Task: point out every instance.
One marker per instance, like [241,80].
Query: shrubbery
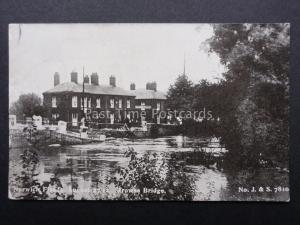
[154,171]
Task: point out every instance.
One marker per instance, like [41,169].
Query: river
[83,170]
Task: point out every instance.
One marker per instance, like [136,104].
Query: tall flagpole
[83,91]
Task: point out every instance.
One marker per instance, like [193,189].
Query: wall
[65,109]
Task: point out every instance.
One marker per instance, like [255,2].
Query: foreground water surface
[81,168]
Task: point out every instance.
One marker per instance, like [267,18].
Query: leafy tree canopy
[255,87]
[27,105]
[180,94]
[260,51]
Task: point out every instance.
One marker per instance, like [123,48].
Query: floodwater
[84,170]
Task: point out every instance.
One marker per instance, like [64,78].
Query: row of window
[143,104]
[74,117]
[87,102]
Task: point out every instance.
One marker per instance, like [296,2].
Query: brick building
[71,101]
[149,100]
[98,103]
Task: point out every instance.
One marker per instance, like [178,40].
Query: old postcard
[188,112]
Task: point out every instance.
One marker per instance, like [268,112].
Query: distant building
[150,100]
[71,101]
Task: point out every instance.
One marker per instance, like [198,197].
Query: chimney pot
[86,79]
[112,81]
[154,86]
[148,86]
[132,86]
[94,79]
[74,77]
[56,79]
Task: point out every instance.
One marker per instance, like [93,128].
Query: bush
[153,171]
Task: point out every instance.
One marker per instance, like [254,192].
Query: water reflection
[194,170]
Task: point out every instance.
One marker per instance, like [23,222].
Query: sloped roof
[149,94]
[89,88]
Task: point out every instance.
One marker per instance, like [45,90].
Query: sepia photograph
[149,111]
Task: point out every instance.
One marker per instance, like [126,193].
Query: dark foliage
[251,99]
[27,105]
[151,171]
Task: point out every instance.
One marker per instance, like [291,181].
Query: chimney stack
[56,79]
[151,86]
[74,77]
[154,86]
[132,86]
[148,86]
[94,79]
[86,79]
[112,81]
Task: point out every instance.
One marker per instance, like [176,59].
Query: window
[128,103]
[54,103]
[158,106]
[143,106]
[112,103]
[89,103]
[120,103]
[84,103]
[112,118]
[74,101]
[98,103]
[55,116]
[74,119]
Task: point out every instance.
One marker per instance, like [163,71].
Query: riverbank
[53,135]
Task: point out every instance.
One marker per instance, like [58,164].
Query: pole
[83,91]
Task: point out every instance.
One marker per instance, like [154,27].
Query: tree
[208,95]
[256,86]
[257,51]
[27,105]
[180,94]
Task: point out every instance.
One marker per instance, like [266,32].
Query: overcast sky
[132,52]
